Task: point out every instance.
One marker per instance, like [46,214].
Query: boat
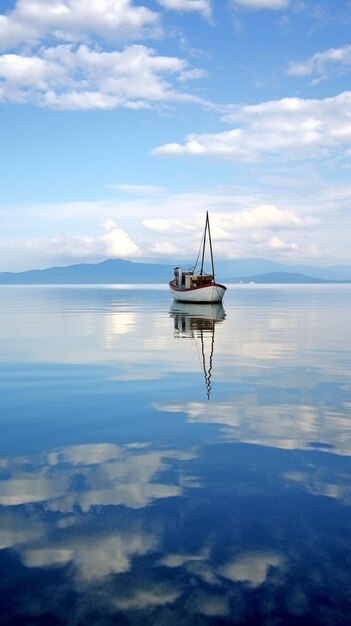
[198,322]
[198,286]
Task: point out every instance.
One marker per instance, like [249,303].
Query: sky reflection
[199,532]
[136,489]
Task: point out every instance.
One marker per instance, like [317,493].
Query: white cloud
[324,64]
[74,20]
[163,225]
[124,477]
[165,247]
[117,242]
[277,243]
[291,128]
[285,249]
[262,216]
[113,243]
[159,595]
[244,418]
[203,6]
[93,561]
[128,475]
[180,559]
[241,225]
[251,567]
[65,77]
[138,190]
[23,76]
[262,4]
[84,454]
[60,67]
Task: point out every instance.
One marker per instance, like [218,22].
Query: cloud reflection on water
[290,425]
[154,504]
[198,546]
[251,567]
[87,476]
[72,484]
[52,515]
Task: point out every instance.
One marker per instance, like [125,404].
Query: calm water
[175,465]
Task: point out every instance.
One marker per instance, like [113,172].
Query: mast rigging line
[203,248]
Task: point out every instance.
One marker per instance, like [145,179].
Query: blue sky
[123,121]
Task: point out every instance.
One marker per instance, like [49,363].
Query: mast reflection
[198,321]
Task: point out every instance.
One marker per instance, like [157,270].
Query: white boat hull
[207,293]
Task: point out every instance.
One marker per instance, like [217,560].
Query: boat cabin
[186,279]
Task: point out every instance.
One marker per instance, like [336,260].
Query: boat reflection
[198,321]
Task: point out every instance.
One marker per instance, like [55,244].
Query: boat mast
[207,230]
[207,372]
[210,241]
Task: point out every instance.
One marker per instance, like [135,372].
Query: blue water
[168,464]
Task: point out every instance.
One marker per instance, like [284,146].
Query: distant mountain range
[287,277]
[114,271]
[257,267]
[107,272]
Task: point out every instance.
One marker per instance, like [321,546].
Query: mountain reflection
[198,321]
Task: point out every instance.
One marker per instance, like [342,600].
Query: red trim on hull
[197,288]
